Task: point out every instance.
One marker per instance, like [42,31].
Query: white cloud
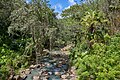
[57,7]
[71,2]
[59,16]
[27,1]
[67,7]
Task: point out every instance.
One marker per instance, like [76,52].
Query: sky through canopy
[60,5]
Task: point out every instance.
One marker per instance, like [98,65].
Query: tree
[33,19]
[112,10]
[5,11]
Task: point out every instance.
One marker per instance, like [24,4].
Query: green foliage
[33,26]
[100,63]
[93,25]
[10,60]
[28,27]
[5,10]
[96,54]
[33,19]
[94,18]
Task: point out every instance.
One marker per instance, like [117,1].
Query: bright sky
[60,5]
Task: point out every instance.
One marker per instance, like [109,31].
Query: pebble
[60,62]
[47,64]
[27,71]
[44,73]
[44,78]
[36,78]
[72,75]
[63,76]
[63,62]
[38,66]
[55,64]
[57,73]
[50,73]
[43,65]
[68,74]
[17,77]
[65,79]
[11,77]
[21,71]
[40,72]
[55,68]
[23,75]
[32,66]
[59,65]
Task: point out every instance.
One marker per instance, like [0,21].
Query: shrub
[102,62]
[10,60]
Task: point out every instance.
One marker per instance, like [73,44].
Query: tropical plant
[10,62]
[102,62]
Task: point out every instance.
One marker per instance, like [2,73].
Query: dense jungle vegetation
[93,26]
